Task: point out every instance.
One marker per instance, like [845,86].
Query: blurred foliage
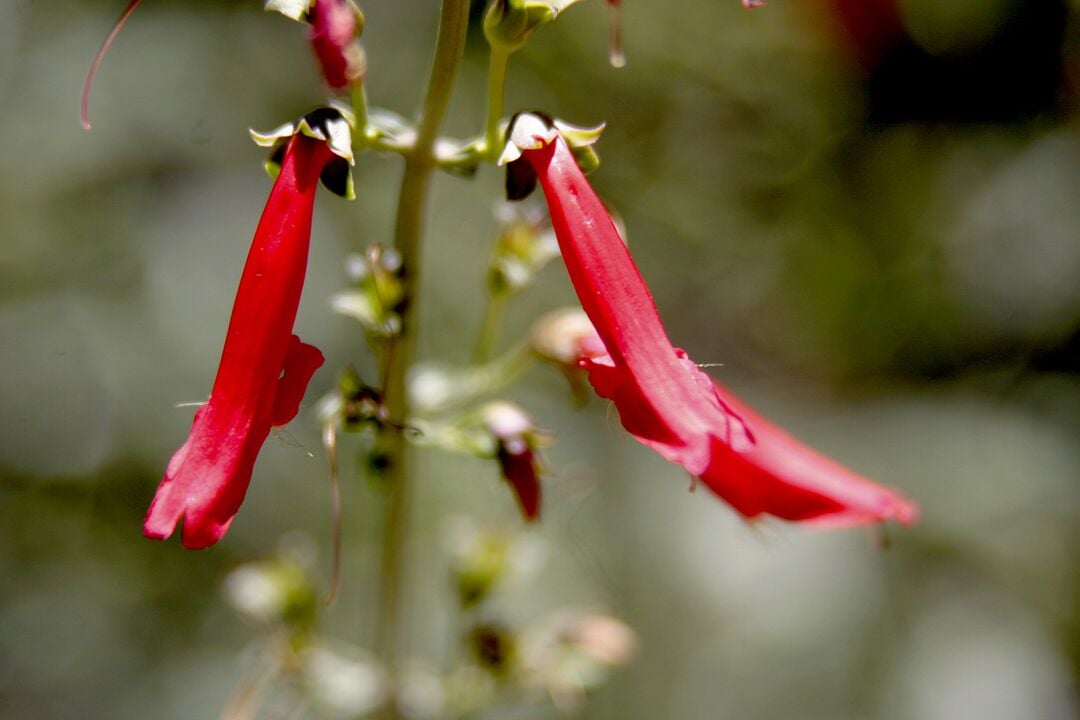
[864,210]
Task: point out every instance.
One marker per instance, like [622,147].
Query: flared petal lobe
[664,400]
[264,368]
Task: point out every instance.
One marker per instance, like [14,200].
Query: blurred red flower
[333,32]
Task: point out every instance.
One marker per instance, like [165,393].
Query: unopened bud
[565,336]
[342,681]
[602,638]
[478,562]
[360,403]
[483,559]
[272,591]
[494,647]
[375,300]
[508,23]
[574,652]
[526,244]
[516,440]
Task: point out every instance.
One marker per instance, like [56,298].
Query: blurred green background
[868,212]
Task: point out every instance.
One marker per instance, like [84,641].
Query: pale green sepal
[387,127]
[458,157]
[272,167]
[337,133]
[586,158]
[362,308]
[529,132]
[332,125]
[270,139]
[296,10]
[537,14]
[292,9]
[580,140]
[579,136]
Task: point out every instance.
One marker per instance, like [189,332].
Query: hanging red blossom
[335,26]
[663,398]
[264,368]
[516,439]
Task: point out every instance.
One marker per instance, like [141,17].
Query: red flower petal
[519,469]
[301,362]
[207,478]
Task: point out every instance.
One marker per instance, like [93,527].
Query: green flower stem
[361,136]
[500,61]
[416,181]
[494,311]
[472,383]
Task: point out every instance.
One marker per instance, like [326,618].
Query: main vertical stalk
[493,142]
[408,231]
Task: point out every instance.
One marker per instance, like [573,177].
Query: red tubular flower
[333,32]
[264,368]
[663,399]
[516,439]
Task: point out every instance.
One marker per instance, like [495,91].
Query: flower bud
[573,652]
[565,338]
[602,638]
[377,294]
[508,23]
[525,245]
[360,403]
[342,681]
[478,562]
[276,591]
[516,440]
[482,560]
[334,29]
[494,647]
